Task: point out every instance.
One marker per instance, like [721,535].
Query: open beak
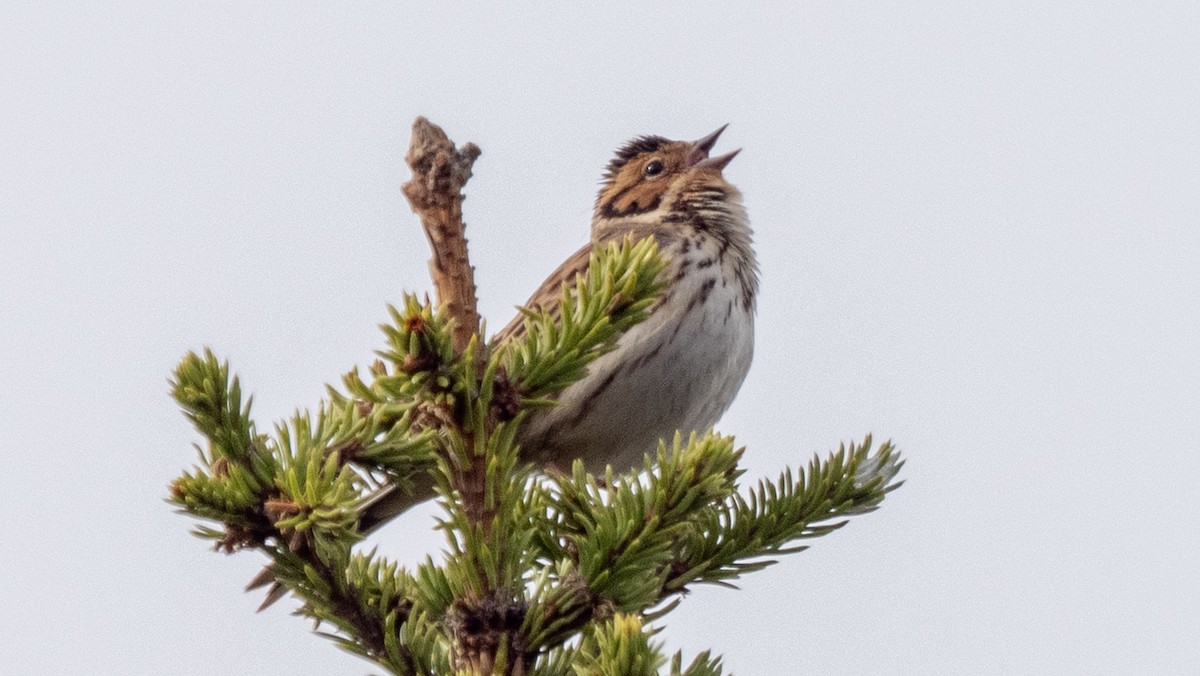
[698,157]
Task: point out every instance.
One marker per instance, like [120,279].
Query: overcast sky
[978,226]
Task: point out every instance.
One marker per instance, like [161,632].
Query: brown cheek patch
[634,199]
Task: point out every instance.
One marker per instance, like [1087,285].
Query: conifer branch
[291,495]
[729,539]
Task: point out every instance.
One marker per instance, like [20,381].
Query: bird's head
[652,177]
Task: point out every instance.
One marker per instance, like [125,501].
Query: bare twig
[440,170]
[435,194]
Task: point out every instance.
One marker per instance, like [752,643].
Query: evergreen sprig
[619,646]
[617,291]
[212,399]
[623,536]
[729,539]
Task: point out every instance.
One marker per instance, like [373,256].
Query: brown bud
[416,364]
[365,407]
[278,509]
[415,324]
[506,400]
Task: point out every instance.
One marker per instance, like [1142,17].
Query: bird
[681,367]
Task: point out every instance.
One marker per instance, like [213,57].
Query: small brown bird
[680,368]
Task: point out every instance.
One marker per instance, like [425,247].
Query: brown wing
[546,297]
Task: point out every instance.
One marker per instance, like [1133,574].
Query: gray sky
[978,227]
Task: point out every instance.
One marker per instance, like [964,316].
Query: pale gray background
[978,229]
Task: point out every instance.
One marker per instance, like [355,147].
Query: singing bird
[681,368]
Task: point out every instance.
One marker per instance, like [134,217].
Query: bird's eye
[653,168]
